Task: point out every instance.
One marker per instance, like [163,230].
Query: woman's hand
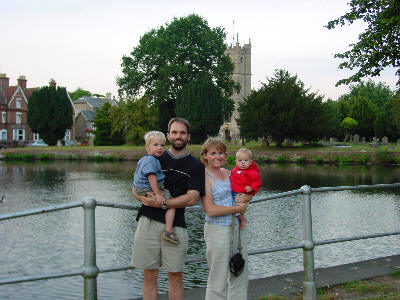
[242,198]
[242,206]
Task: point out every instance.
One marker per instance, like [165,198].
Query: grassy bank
[382,287]
[299,154]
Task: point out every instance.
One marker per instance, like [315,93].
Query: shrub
[384,156]
[282,159]
[318,160]
[345,160]
[301,160]
[46,156]
[363,158]
[263,160]
[231,160]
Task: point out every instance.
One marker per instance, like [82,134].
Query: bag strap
[233,234]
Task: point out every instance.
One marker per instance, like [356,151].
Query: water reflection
[54,242]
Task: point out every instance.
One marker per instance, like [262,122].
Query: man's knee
[175,278]
[150,275]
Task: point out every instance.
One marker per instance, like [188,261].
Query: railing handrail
[90,269]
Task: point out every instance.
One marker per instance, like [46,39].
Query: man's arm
[188,199]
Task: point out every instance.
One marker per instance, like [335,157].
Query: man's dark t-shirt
[182,174]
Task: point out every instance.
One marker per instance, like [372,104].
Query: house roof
[88,114]
[96,103]
[3,100]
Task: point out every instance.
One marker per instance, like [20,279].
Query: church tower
[241,58]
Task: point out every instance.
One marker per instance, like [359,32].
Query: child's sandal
[170,236]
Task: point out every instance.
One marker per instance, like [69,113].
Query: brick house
[14,128]
[86,108]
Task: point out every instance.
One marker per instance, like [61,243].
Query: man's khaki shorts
[151,252]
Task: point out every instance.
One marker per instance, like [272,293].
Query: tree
[378,46]
[200,102]
[133,118]
[104,136]
[173,55]
[283,109]
[349,125]
[78,93]
[50,113]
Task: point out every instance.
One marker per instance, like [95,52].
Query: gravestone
[363,140]
[351,139]
[91,141]
[59,143]
[356,139]
[374,142]
[385,140]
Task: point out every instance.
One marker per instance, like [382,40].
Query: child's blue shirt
[146,166]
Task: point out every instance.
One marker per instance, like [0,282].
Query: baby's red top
[248,177]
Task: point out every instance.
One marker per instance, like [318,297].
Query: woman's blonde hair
[217,142]
[152,135]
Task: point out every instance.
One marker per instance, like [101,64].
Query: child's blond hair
[153,135]
[245,151]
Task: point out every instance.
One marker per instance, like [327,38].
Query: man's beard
[179,147]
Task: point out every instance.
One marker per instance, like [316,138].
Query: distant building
[14,128]
[85,108]
[241,57]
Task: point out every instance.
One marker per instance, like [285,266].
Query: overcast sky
[80,43]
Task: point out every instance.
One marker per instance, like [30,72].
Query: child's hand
[248,189]
[242,222]
[160,198]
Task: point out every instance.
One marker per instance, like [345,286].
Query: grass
[381,287]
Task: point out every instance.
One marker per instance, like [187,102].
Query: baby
[245,178]
[149,177]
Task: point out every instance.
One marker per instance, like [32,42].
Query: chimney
[4,80]
[108,96]
[22,82]
[52,82]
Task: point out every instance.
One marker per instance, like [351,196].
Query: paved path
[292,282]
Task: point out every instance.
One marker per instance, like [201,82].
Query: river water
[53,242]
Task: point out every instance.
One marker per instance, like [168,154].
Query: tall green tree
[173,55]
[133,118]
[378,46]
[50,113]
[282,108]
[200,102]
[104,135]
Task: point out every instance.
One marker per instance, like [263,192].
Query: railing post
[90,269]
[309,289]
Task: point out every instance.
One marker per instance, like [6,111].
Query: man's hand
[152,200]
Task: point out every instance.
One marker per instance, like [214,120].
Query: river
[53,242]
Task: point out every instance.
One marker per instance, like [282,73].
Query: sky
[81,43]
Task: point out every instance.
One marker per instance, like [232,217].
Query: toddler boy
[149,177]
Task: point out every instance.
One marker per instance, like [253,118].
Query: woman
[217,203]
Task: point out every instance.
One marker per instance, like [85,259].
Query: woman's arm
[213,210]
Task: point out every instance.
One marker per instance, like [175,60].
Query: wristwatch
[164,204]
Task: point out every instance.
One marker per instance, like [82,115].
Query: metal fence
[90,270]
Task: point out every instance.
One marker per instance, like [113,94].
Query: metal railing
[90,269]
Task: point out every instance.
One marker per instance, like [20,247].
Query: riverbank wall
[291,283]
[303,156]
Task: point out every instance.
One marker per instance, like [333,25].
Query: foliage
[104,136]
[200,102]
[377,47]
[349,124]
[133,118]
[282,109]
[78,93]
[50,113]
[368,103]
[332,119]
[173,55]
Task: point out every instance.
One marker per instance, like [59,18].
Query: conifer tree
[50,113]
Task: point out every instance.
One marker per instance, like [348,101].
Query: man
[185,181]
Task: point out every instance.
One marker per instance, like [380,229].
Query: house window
[18,103]
[67,136]
[3,117]
[18,118]
[19,134]
[3,135]
[36,137]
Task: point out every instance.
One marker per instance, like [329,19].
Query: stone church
[241,57]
